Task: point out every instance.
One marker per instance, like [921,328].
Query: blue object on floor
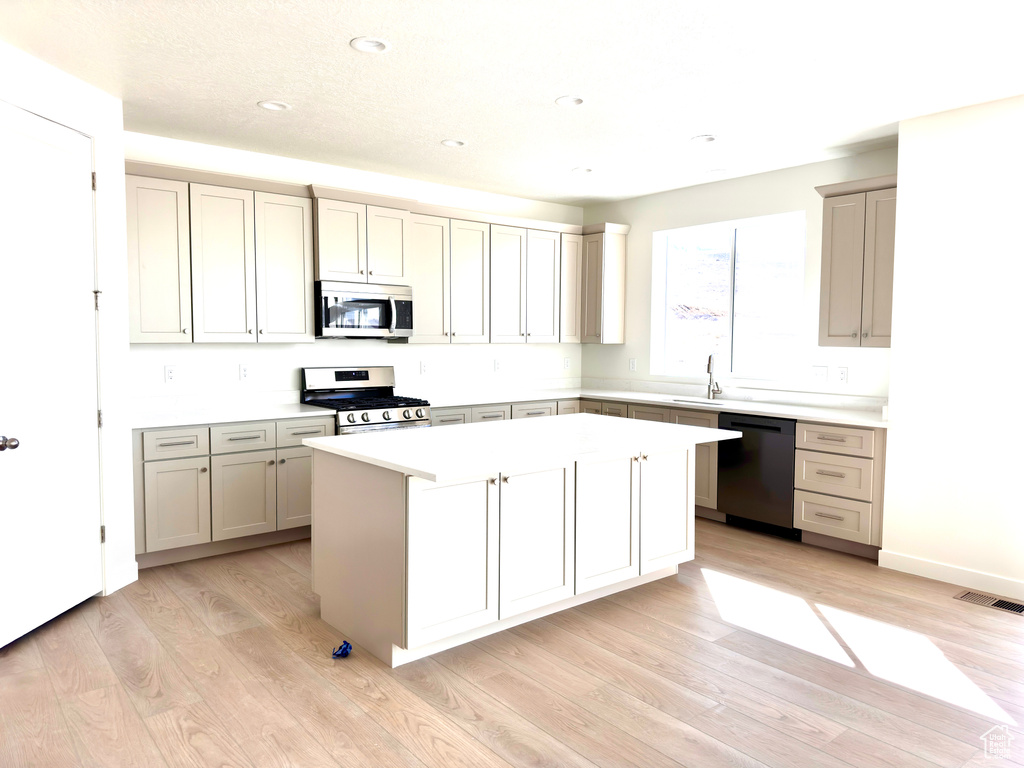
[342,651]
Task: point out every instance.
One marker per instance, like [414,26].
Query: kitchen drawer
[590,406]
[292,433]
[445,417]
[533,410]
[851,441]
[842,518]
[491,413]
[569,406]
[254,436]
[179,443]
[835,475]
[649,413]
[614,409]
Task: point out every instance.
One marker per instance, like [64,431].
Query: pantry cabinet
[857,253]
[159,262]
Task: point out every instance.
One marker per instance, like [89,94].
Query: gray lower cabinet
[198,484]
[294,485]
[177,503]
[243,494]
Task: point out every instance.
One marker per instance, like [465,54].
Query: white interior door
[50,557]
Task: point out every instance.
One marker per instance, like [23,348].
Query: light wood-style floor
[225,662]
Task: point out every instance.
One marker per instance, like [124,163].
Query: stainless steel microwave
[363,311]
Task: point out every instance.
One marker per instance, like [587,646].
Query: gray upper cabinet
[428,273]
[159,267]
[857,248]
[603,306]
[385,245]
[543,276]
[223,264]
[508,285]
[340,241]
[571,289]
[470,280]
[284,268]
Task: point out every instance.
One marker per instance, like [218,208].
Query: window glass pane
[697,266]
[768,295]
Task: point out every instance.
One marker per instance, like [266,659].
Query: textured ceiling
[779,82]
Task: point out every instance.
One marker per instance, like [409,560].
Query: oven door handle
[394,315]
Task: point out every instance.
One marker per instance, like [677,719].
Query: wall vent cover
[980,598]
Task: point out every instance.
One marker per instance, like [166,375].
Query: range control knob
[406,414]
[366,416]
[387,415]
[419,413]
[351,418]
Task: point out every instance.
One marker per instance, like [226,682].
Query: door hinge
[103,534]
[99,418]
[96,299]
[94,181]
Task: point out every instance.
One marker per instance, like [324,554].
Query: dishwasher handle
[742,421]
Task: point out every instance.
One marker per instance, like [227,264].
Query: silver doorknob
[8,442]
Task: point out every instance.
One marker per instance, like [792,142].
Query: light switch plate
[170,373]
[632,364]
[844,375]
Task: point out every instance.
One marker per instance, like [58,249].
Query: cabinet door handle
[261,331]
[832,438]
[504,479]
[853,335]
[202,469]
[271,462]
[282,461]
[307,432]
[643,457]
[830,517]
[830,474]
[247,437]
[250,330]
[184,330]
[178,442]
[865,334]
[494,481]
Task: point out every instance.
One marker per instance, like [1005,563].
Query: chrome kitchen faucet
[713,388]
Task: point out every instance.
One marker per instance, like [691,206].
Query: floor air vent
[979,598]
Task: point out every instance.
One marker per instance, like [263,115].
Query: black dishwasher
[755,474]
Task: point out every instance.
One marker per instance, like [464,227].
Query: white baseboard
[953,574]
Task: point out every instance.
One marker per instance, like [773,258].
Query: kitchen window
[733,289]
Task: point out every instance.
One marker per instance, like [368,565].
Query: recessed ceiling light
[453,143]
[568,101]
[274,106]
[581,170]
[369,44]
[703,138]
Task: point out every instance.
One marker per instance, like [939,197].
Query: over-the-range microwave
[363,311]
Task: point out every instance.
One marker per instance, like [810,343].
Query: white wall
[790,189]
[210,371]
[37,87]
[953,507]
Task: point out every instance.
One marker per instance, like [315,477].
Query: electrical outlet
[844,375]
[497,365]
[243,372]
[170,373]
[424,368]
[565,363]
[632,364]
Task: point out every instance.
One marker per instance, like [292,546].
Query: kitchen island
[424,539]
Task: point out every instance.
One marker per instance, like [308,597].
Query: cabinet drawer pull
[247,437]
[830,517]
[832,438]
[178,442]
[307,432]
[493,416]
[451,420]
[535,413]
[830,474]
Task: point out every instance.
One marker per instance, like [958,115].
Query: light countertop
[226,412]
[510,447]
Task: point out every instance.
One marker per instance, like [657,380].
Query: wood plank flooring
[225,662]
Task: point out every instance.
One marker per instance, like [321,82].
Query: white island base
[426,539]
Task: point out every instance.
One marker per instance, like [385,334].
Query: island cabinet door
[666,509]
[537,539]
[607,521]
[452,558]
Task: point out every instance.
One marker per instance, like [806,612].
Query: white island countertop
[519,445]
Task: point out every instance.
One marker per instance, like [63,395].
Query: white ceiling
[778,82]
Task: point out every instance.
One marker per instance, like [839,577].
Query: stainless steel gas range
[364,399]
